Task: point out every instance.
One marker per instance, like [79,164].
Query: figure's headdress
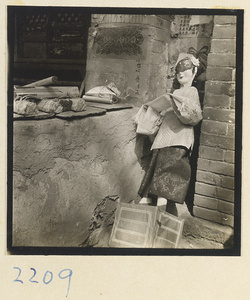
[186,61]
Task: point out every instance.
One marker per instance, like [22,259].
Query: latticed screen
[185,28]
[141,226]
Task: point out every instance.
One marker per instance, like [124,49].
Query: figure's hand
[163,113]
[168,96]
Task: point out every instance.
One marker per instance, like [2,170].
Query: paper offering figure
[167,176]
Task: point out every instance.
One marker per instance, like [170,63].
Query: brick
[224,31]
[220,88]
[221,60]
[223,46]
[205,189]
[211,153]
[206,202]
[229,156]
[214,191]
[232,104]
[207,177]
[219,101]
[214,216]
[225,194]
[222,142]
[214,127]
[227,182]
[234,75]
[222,115]
[217,167]
[222,20]
[226,207]
[231,130]
[219,73]
[215,179]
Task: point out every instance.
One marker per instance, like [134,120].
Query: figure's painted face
[185,71]
[185,77]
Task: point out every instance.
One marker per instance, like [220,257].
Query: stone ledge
[203,229]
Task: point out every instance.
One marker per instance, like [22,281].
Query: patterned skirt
[168,174]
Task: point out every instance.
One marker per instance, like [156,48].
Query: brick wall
[214,190]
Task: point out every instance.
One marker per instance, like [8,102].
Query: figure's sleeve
[187,108]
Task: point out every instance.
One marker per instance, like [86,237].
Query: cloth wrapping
[148,120]
[78,104]
[25,107]
[151,114]
[50,106]
[66,104]
[74,104]
[161,103]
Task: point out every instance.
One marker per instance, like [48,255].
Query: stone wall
[214,199]
[62,169]
[130,51]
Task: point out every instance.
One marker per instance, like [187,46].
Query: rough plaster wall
[62,169]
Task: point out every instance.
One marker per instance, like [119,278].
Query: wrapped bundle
[78,104]
[74,104]
[103,94]
[50,106]
[108,99]
[66,104]
[24,107]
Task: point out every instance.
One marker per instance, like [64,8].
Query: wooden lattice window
[184,26]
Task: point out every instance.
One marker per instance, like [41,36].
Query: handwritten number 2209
[48,276]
